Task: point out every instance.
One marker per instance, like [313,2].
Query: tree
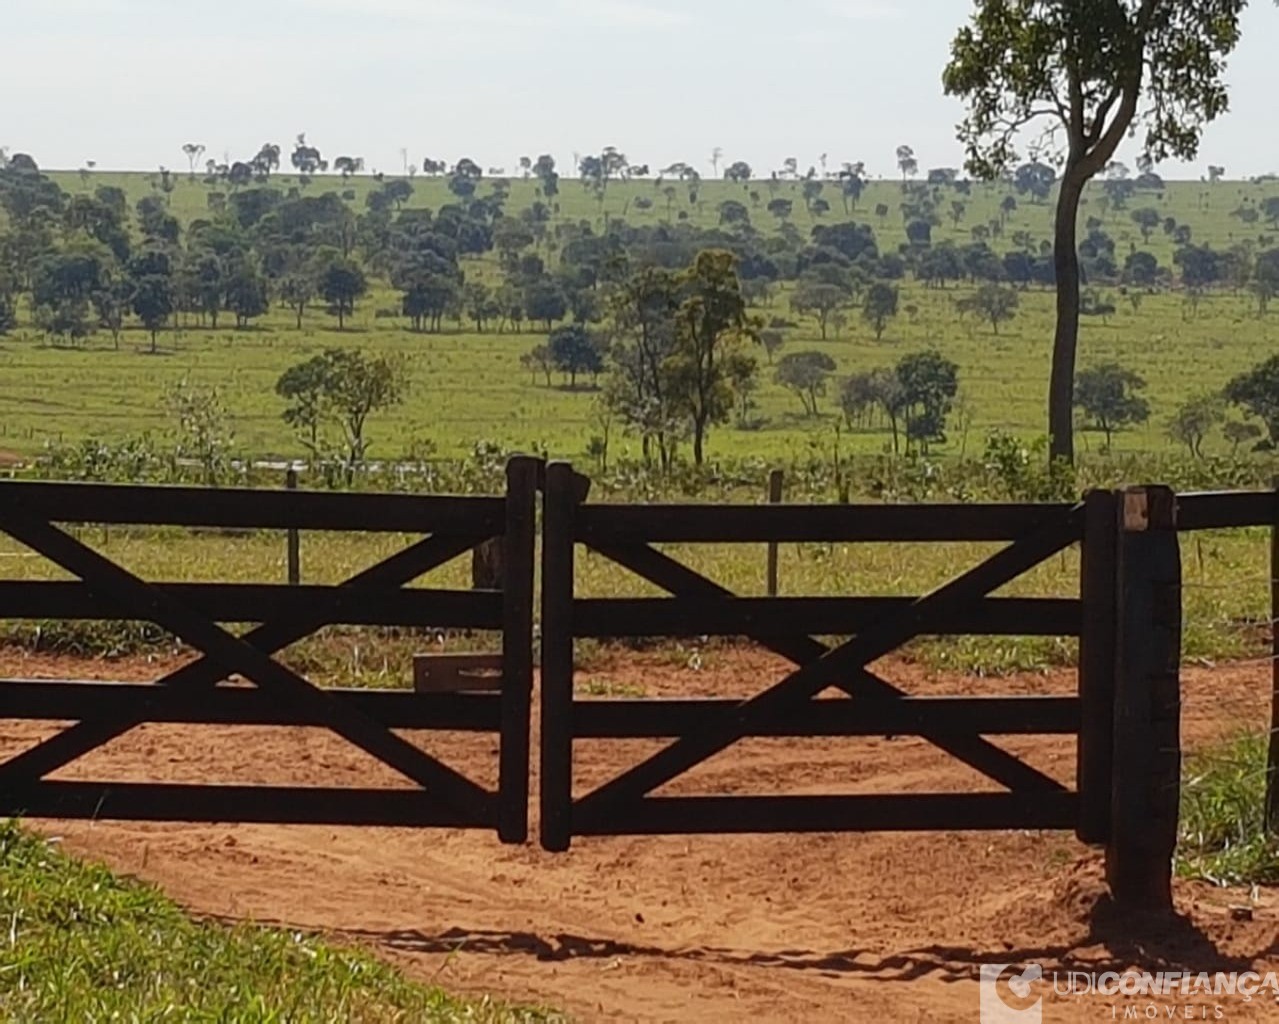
[246,294]
[1108,395]
[806,374]
[344,387]
[738,172]
[8,313]
[1194,420]
[193,151]
[928,385]
[1097,68]
[907,163]
[1147,219]
[341,284]
[348,165]
[297,289]
[573,350]
[1257,391]
[880,306]
[816,297]
[994,302]
[204,431]
[545,300]
[710,323]
[539,359]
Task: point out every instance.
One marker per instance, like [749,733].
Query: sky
[125,83]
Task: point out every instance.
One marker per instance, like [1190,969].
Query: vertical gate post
[564,491]
[517,647]
[775,480]
[1097,584]
[1272,759]
[1146,787]
[294,542]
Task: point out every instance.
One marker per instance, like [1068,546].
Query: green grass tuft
[1223,835]
[79,944]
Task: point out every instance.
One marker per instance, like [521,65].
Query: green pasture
[469,386]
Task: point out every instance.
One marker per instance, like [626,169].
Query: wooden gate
[788,626]
[198,692]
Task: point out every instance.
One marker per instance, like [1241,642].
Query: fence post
[1097,583]
[517,647]
[1272,761]
[564,491]
[294,542]
[775,480]
[1146,787]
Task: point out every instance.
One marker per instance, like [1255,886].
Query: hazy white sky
[126,82]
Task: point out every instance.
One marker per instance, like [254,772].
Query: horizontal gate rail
[904,813]
[254,509]
[625,524]
[248,602]
[1226,510]
[905,716]
[287,805]
[734,616]
[54,700]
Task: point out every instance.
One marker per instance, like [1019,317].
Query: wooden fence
[1125,714]
[197,693]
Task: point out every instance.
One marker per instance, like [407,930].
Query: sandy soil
[714,928]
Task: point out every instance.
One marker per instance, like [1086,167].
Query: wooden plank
[293,554]
[775,481]
[1272,757]
[58,700]
[289,805]
[559,509]
[832,616]
[762,814]
[265,509]
[457,673]
[254,602]
[1145,795]
[907,716]
[976,752]
[629,524]
[400,569]
[1095,756]
[518,555]
[1226,510]
[806,682]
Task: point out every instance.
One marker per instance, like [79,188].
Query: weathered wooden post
[522,478]
[1272,762]
[1146,783]
[1097,582]
[294,542]
[775,480]
[564,491]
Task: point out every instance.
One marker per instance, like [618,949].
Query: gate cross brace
[225,654]
[826,668]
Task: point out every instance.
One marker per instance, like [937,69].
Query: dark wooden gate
[789,626]
[198,693]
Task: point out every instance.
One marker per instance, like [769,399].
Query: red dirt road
[707,928]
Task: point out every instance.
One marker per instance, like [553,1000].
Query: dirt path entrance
[784,928]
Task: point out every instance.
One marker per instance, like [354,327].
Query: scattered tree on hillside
[992,302]
[880,306]
[806,374]
[1108,396]
[1257,391]
[1195,419]
[343,387]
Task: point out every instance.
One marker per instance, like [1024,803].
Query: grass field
[469,386]
[83,945]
